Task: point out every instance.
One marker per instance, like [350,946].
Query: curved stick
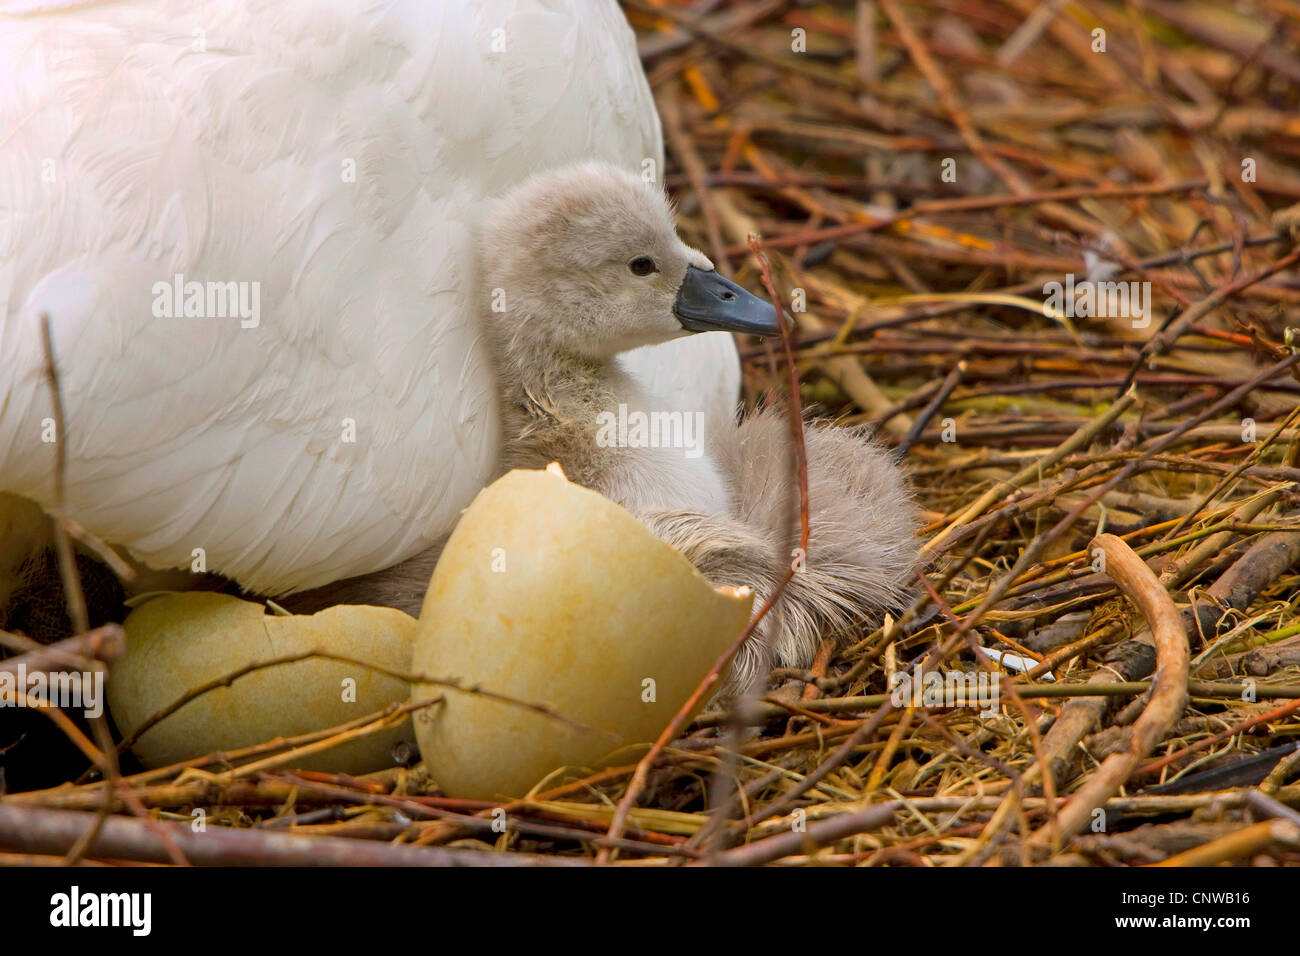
[1168,689]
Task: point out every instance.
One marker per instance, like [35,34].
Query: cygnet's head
[586,260]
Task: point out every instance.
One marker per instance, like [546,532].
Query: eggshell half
[180,641]
[550,593]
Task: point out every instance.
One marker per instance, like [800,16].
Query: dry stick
[1240,843]
[1279,62]
[731,744]
[698,27]
[105,644]
[846,371]
[19,642]
[737,800]
[886,757]
[868,58]
[1157,805]
[479,824]
[1027,34]
[1262,805]
[37,830]
[268,791]
[80,797]
[103,550]
[72,594]
[818,834]
[1182,569]
[1284,770]
[945,390]
[1157,344]
[83,652]
[1236,588]
[586,785]
[227,679]
[1229,93]
[1168,692]
[390,716]
[675,726]
[1043,588]
[1074,649]
[1236,472]
[672,39]
[1080,439]
[796,409]
[1276,713]
[1041,585]
[1052,691]
[981,203]
[915,399]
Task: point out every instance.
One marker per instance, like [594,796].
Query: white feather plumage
[213,139]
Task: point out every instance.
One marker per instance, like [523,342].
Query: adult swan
[250,226]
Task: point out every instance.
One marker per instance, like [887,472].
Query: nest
[1045,251]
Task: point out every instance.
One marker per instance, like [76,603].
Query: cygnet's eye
[642,266]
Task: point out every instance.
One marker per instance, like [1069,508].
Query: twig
[1168,691]
[104,644]
[35,830]
[818,834]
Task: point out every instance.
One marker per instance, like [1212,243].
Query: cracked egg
[549,593]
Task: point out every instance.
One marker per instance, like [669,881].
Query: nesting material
[550,593]
[178,642]
[1009,404]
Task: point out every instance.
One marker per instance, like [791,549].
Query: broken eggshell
[550,593]
[180,641]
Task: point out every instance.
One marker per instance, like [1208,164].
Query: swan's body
[589,263]
[334,159]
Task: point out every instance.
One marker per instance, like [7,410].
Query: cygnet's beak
[708,302]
